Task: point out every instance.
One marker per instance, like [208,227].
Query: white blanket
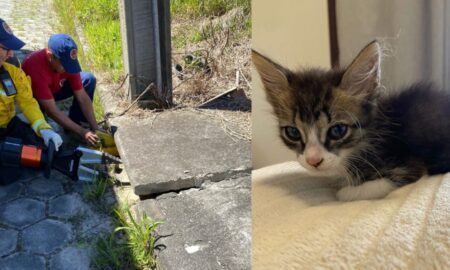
[299,224]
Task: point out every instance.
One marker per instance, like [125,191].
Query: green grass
[105,47]
[141,236]
[100,23]
[184,34]
[95,190]
[99,20]
[132,244]
[206,8]
[112,255]
[98,108]
[96,10]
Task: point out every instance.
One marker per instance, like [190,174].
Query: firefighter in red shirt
[56,75]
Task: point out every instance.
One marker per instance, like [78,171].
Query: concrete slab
[206,228]
[176,150]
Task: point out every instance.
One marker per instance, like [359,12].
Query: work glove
[48,134]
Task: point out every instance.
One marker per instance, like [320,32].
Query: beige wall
[294,33]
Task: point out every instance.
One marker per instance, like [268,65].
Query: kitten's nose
[314,161]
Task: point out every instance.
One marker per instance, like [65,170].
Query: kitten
[341,122]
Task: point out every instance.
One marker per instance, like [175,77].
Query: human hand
[90,137]
[48,134]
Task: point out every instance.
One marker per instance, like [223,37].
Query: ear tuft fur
[276,81]
[272,74]
[362,77]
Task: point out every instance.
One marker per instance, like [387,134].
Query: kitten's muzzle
[315,162]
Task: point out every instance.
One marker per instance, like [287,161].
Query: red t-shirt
[44,81]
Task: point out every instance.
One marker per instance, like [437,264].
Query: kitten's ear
[273,76]
[362,77]
[276,81]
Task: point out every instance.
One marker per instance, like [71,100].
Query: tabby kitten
[341,122]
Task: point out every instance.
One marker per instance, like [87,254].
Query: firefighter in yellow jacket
[15,87]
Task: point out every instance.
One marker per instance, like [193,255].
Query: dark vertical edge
[157,37]
[161,19]
[332,25]
[166,44]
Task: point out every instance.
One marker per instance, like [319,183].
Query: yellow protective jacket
[24,98]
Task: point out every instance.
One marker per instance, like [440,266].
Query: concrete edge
[186,183]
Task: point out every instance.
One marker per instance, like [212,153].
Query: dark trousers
[20,130]
[89,82]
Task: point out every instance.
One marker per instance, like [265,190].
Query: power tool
[80,163]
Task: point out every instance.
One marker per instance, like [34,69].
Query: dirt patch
[220,49]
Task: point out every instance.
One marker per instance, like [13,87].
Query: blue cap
[8,39]
[65,49]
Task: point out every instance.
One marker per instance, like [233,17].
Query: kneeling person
[56,75]
[15,88]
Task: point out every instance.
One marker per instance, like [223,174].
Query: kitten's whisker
[347,175]
[357,173]
[370,149]
[368,163]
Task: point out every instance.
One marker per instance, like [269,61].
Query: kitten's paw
[375,189]
[346,194]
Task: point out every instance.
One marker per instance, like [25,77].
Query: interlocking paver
[45,188]
[94,223]
[34,21]
[46,236]
[67,206]
[66,258]
[10,192]
[8,241]
[23,261]
[22,212]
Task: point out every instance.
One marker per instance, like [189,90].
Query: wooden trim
[332,24]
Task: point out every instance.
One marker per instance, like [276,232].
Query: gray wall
[416,34]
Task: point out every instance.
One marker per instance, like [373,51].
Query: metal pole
[145,27]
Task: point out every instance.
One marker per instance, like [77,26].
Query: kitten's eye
[292,133]
[337,132]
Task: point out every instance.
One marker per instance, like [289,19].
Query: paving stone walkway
[33,21]
[45,223]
